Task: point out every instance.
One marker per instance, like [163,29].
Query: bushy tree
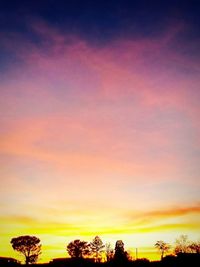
[97,247]
[195,247]
[78,249]
[182,245]
[162,247]
[29,246]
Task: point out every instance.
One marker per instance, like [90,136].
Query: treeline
[182,246]
[96,252]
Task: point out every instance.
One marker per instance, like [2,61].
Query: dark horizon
[96,251]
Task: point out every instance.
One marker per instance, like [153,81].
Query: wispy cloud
[100,132]
[179,211]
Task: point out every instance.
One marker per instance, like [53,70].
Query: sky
[100,129]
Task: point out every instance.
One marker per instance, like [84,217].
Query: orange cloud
[175,212]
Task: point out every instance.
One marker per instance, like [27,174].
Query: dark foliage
[78,249]
[27,245]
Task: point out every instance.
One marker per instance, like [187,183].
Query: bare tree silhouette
[182,245]
[109,252]
[97,247]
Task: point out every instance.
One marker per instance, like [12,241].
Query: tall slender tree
[162,247]
[120,255]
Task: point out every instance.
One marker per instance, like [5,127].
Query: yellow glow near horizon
[55,236]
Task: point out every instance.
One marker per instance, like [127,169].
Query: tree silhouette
[162,247]
[97,247]
[120,255]
[27,245]
[182,245]
[78,249]
[195,247]
[109,252]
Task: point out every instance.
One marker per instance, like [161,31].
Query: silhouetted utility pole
[136,253]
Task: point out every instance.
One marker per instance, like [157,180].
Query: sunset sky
[100,123]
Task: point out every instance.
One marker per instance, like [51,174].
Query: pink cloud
[120,114]
[146,68]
